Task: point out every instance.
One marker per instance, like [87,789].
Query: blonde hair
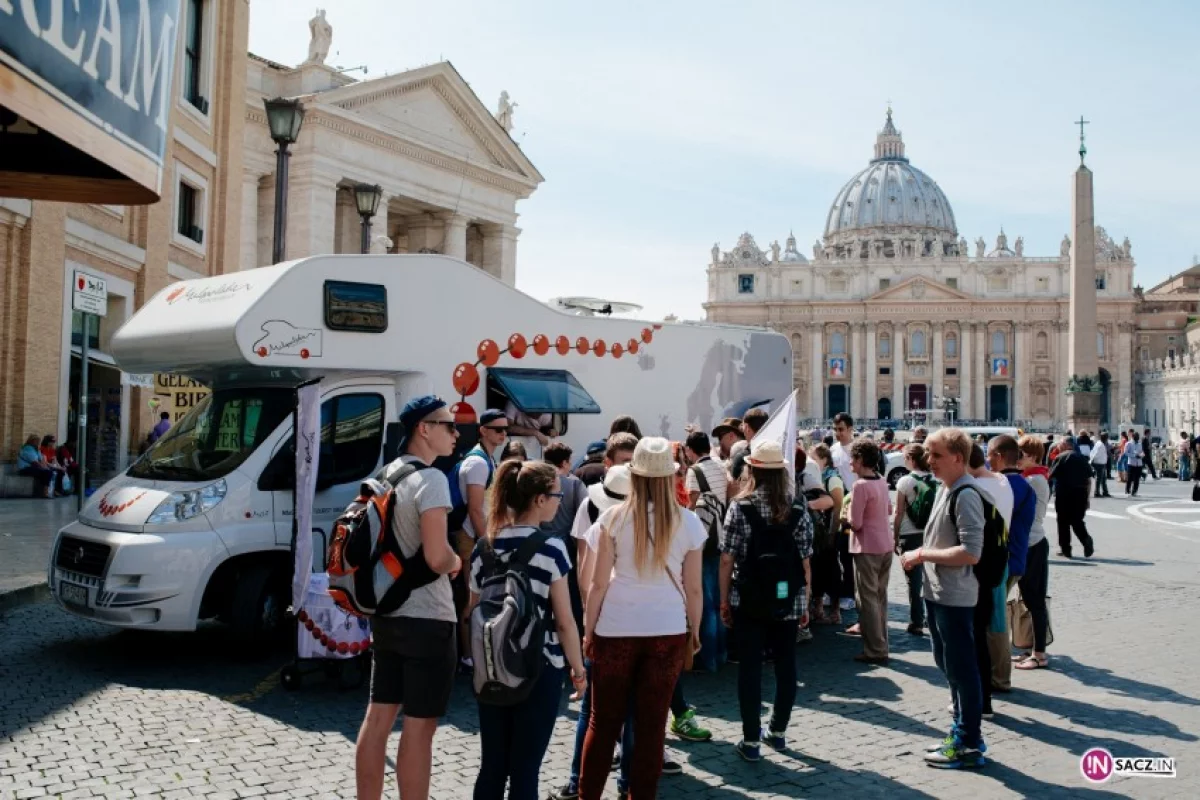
[652,539]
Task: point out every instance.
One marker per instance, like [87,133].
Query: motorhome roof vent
[591,306]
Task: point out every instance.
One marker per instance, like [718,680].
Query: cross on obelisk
[1082,147]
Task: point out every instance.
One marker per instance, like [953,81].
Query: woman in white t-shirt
[645,587]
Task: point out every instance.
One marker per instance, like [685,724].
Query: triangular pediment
[434,106]
[919,289]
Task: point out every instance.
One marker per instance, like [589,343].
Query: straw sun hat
[766,455]
[653,458]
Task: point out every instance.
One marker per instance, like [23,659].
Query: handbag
[1020,622]
[1196,492]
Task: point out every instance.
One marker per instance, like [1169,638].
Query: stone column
[248,257]
[966,358]
[1063,339]
[856,372]
[348,238]
[937,382]
[897,372]
[816,367]
[454,241]
[424,234]
[312,204]
[379,225]
[1124,381]
[500,251]
[1021,370]
[872,401]
[981,381]
[1083,409]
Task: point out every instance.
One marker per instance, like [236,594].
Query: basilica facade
[896,312]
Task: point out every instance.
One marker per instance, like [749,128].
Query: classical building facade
[193,231]
[895,310]
[1168,355]
[450,172]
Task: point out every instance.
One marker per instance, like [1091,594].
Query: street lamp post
[366,198]
[284,118]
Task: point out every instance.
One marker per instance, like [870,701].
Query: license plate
[74,594]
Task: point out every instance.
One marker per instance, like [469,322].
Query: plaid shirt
[736,536]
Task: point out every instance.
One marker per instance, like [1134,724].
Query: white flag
[781,427]
[308,451]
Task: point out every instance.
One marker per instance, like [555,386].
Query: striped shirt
[549,564]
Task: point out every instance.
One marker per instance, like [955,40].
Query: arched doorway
[885,408]
[1105,398]
[837,399]
[998,403]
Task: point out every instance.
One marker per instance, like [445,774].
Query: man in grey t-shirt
[952,546]
[412,650]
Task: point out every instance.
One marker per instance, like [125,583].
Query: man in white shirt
[698,450]
[843,432]
[1099,461]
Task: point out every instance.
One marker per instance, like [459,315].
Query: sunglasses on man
[500,428]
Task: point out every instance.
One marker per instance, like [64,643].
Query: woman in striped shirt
[514,738]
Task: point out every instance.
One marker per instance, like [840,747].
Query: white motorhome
[200,525]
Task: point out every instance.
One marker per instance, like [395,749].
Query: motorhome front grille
[80,555]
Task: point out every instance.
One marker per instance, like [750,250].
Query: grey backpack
[507,630]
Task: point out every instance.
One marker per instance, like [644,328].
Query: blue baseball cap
[491,415]
[416,410]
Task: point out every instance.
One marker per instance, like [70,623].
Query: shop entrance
[104,417]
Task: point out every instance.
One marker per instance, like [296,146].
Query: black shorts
[412,664]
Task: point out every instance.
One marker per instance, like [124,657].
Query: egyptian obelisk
[1083,378]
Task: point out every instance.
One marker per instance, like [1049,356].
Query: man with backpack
[915,493]
[412,648]
[469,481]
[952,546]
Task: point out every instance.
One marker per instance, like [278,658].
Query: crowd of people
[53,468]
[653,558]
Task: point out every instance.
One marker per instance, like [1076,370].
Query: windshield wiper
[172,470]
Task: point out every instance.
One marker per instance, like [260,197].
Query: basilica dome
[890,193]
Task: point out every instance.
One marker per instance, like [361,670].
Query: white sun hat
[653,458]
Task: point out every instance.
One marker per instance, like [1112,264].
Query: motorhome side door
[352,428]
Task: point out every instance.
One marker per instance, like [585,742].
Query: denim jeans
[754,636]
[1185,468]
[1100,471]
[916,581]
[513,740]
[581,726]
[952,631]
[713,634]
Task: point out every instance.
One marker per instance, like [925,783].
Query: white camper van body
[200,525]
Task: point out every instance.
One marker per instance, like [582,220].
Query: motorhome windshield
[217,435]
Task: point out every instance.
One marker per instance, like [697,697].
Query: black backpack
[772,573]
[711,511]
[989,570]
[824,540]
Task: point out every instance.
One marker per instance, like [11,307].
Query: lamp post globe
[366,200]
[284,118]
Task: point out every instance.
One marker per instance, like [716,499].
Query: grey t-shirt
[954,586]
[416,494]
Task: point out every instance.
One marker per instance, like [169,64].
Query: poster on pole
[308,451]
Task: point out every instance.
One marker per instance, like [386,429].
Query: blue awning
[544,391]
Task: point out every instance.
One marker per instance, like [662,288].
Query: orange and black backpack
[368,573]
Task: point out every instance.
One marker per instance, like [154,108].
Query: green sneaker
[956,755]
[686,727]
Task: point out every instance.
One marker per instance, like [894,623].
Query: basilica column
[1021,370]
[965,359]
[872,402]
[937,382]
[1124,387]
[897,372]
[500,251]
[249,251]
[816,368]
[454,243]
[311,212]
[981,382]
[856,373]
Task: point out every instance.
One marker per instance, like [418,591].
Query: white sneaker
[847,604]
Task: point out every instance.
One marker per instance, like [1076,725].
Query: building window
[1101,281]
[797,286]
[838,285]
[951,346]
[885,346]
[745,284]
[1171,353]
[1145,354]
[1041,346]
[885,283]
[952,283]
[1100,344]
[1171,339]
[951,370]
[997,283]
[194,66]
[999,343]
[1041,284]
[917,343]
[885,370]
[837,343]
[189,213]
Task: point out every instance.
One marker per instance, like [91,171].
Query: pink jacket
[869,509]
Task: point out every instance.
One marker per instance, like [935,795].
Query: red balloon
[541,344]
[324,640]
[617,350]
[316,633]
[647,335]
[599,347]
[308,624]
[331,646]
[581,345]
[563,345]
[517,346]
[465,379]
[343,648]
[355,647]
[634,346]
[464,413]
[302,615]
[488,352]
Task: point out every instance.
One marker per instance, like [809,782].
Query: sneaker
[749,751]
[569,791]
[686,728]
[803,636]
[956,755]
[670,766]
[847,604]
[950,739]
[776,740]
[916,630]
[466,666]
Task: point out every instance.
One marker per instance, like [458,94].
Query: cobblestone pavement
[90,712]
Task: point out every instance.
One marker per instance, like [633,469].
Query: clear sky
[664,126]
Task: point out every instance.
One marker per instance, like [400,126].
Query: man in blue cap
[412,654]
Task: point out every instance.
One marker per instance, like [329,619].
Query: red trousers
[638,672]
